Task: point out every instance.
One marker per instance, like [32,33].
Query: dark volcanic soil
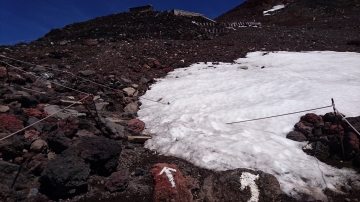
[134,48]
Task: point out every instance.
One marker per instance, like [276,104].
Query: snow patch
[274,9]
[205,97]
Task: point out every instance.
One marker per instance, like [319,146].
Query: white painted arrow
[248,180]
[169,175]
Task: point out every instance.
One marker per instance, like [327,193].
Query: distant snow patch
[274,9]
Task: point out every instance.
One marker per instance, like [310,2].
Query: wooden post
[337,123]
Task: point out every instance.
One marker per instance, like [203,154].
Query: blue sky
[27,20]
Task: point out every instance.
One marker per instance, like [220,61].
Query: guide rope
[344,119]
[268,117]
[43,119]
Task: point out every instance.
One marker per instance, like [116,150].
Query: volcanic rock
[4,108]
[118,181]
[311,118]
[351,144]
[304,127]
[135,125]
[87,72]
[38,146]
[65,175]
[37,163]
[10,123]
[296,136]
[132,107]
[101,153]
[116,131]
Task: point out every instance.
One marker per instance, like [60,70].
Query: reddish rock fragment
[135,125]
[9,123]
[170,184]
[33,113]
[31,134]
[169,69]
[311,118]
[334,130]
[69,126]
[157,64]
[118,181]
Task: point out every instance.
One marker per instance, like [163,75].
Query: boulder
[311,118]
[135,125]
[336,129]
[296,136]
[170,184]
[304,127]
[39,126]
[240,185]
[69,126]
[65,175]
[101,153]
[117,181]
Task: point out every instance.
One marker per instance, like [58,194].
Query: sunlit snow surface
[204,97]
[274,9]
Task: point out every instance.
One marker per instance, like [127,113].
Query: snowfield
[204,97]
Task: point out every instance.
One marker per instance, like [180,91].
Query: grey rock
[65,175]
[58,142]
[38,126]
[130,91]
[87,72]
[304,127]
[84,133]
[296,136]
[4,108]
[243,67]
[132,107]
[33,192]
[116,131]
[38,146]
[101,105]
[39,68]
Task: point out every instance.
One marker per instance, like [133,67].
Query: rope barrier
[80,78]
[42,119]
[344,119]
[280,115]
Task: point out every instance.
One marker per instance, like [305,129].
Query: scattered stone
[33,192]
[58,142]
[116,131]
[84,133]
[39,146]
[296,136]
[132,107]
[129,146]
[336,129]
[118,181]
[101,105]
[351,144]
[31,134]
[52,109]
[65,175]
[130,91]
[38,126]
[140,172]
[170,184]
[4,108]
[243,67]
[69,126]
[92,42]
[33,113]
[135,125]
[39,68]
[87,72]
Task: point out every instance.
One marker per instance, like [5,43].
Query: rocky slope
[83,152]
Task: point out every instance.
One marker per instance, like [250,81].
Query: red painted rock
[135,125]
[33,113]
[9,123]
[311,118]
[118,181]
[170,184]
[31,134]
[334,130]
